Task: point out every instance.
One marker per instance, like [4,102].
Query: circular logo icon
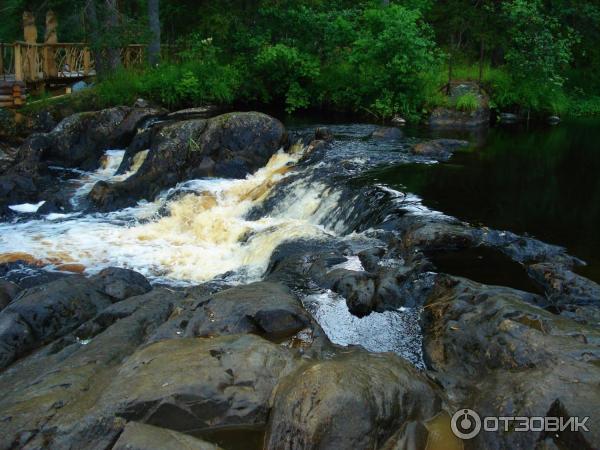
[466,424]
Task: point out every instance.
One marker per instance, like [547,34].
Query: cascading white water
[204,235]
[207,233]
[108,167]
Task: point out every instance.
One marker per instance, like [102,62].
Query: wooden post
[18,62]
[87,60]
[127,57]
[17,100]
[50,69]
[29,28]
[30,69]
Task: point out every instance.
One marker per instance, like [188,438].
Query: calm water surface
[544,182]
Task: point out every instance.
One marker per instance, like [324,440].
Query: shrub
[283,73]
[467,102]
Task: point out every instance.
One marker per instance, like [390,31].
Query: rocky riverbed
[172,281]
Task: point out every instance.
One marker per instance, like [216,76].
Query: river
[540,181]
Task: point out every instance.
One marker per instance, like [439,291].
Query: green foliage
[395,47]
[584,106]
[198,79]
[467,102]
[283,71]
[539,50]
[348,55]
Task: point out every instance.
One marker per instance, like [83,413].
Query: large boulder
[266,309]
[387,133]
[80,139]
[355,400]
[51,397]
[454,117]
[199,383]
[77,141]
[499,355]
[438,148]
[231,146]
[120,283]
[357,287]
[46,312]
[138,436]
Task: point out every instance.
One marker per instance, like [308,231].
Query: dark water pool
[544,182]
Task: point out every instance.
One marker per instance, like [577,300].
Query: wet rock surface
[354,400]
[438,148]
[109,360]
[46,312]
[499,354]
[121,283]
[78,141]
[231,146]
[267,309]
[138,436]
[387,133]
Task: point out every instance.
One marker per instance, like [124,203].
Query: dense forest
[376,58]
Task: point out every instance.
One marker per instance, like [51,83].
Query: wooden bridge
[25,64]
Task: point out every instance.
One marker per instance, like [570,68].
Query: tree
[113,59]
[538,51]
[91,15]
[154,22]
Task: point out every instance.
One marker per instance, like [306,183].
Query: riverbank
[256,279]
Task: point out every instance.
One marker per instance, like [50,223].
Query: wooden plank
[10,98]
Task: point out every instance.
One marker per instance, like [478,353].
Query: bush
[282,73]
[584,106]
[467,102]
[198,79]
[391,54]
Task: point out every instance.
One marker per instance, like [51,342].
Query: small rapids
[227,230]
[204,234]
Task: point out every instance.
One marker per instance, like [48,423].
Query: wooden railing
[22,61]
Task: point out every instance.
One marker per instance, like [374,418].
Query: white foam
[351,263]
[411,203]
[109,165]
[395,331]
[205,234]
[27,207]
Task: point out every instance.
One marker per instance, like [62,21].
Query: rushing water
[204,234]
[543,182]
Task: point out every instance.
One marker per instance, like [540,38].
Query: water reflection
[543,182]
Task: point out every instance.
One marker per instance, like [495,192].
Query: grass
[468,102]
[193,83]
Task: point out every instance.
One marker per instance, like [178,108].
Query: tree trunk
[112,22]
[91,14]
[154,22]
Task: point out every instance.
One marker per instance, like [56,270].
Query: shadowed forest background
[375,58]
